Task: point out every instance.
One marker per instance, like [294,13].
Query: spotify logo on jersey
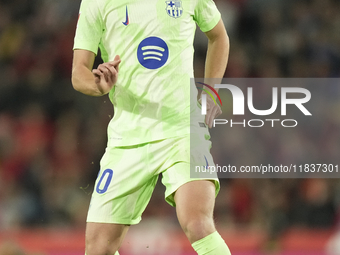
[152,52]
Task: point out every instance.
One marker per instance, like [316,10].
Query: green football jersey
[154,39]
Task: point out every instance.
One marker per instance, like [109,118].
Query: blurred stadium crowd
[52,138]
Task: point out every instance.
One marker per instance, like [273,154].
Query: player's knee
[104,239]
[198,226]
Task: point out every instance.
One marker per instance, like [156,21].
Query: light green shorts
[128,176]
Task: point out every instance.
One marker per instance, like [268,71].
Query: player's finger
[114,68]
[115,65]
[105,71]
[113,73]
[208,118]
[98,75]
[103,68]
[111,68]
[218,112]
[117,58]
[95,72]
[212,116]
[115,62]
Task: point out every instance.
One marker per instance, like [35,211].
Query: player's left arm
[215,65]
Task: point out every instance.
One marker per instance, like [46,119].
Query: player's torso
[154,39]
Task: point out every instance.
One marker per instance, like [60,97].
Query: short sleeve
[206,15]
[89,28]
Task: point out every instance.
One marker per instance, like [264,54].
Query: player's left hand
[213,110]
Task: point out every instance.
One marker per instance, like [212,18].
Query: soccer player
[147,48]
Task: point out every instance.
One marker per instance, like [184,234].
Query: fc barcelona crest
[174,8]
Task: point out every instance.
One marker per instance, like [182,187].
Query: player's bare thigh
[195,203]
[103,238]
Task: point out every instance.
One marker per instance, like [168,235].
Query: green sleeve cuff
[208,26]
[86,46]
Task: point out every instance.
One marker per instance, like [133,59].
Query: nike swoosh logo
[127,18]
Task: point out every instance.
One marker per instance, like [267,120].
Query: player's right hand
[106,75]
[213,110]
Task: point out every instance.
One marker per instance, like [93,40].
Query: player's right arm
[96,82]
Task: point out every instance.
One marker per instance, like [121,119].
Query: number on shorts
[107,182]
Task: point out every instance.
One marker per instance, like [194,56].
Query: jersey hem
[169,194]
[85,47]
[116,221]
